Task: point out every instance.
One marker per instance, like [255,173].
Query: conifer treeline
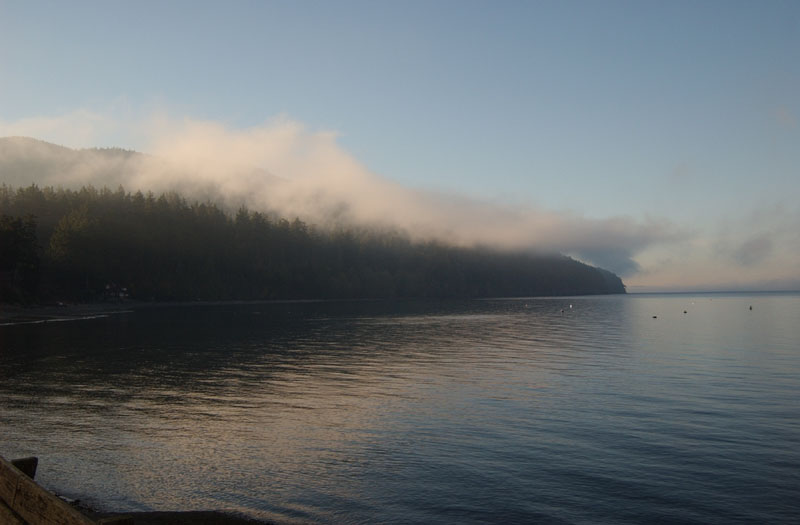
[81,244]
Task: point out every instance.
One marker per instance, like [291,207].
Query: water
[567,410]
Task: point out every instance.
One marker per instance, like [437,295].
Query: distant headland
[101,244]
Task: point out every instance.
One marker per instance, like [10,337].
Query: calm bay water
[567,410]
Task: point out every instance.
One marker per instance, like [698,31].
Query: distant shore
[11,314]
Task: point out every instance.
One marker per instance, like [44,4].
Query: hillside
[90,244]
[25,161]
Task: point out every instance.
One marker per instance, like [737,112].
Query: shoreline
[152,517]
[16,314]
[191,517]
[12,314]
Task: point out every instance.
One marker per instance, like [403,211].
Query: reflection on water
[569,409]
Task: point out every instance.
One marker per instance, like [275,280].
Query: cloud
[79,128]
[306,173]
[754,250]
[284,166]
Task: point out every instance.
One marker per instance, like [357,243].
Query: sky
[658,139]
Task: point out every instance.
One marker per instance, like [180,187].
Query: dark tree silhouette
[19,259]
[164,248]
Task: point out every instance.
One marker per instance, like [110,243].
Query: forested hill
[90,244]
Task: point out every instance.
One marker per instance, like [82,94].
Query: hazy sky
[667,132]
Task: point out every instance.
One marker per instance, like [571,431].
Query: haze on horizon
[660,141]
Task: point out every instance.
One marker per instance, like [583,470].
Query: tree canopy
[90,244]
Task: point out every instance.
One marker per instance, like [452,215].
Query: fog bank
[288,169]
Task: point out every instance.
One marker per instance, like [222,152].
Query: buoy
[751,307]
[684,311]
[655,317]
